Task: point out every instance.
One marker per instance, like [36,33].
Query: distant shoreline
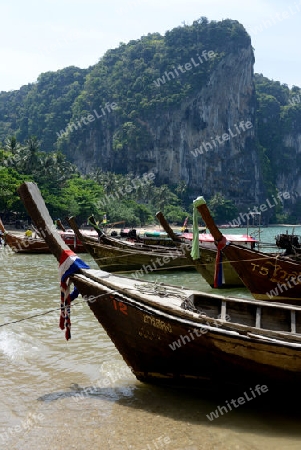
[283,225]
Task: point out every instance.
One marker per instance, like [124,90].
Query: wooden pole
[208,219]
[36,208]
[166,227]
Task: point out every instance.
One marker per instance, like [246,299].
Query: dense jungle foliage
[66,192]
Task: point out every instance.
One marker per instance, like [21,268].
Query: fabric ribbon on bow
[69,264]
[195,251]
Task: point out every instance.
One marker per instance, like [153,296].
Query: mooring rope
[160,290]
[74,303]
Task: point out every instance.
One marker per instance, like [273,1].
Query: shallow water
[80,394]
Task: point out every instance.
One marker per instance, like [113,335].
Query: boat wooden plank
[31,197]
[115,255]
[276,341]
[289,307]
[223,310]
[205,265]
[258,317]
[293,321]
[175,302]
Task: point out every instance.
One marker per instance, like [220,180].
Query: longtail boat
[23,244]
[168,333]
[272,277]
[36,244]
[206,263]
[290,243]
[115,255]
[73,242]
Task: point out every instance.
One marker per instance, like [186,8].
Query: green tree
[79,197]
[12,145]
[222,209]
[10,180]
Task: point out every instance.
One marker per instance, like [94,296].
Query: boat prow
[268,277]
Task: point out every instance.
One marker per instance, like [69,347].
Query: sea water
[81,395]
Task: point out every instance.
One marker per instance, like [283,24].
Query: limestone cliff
[188,142]
[279,134]
[207,139]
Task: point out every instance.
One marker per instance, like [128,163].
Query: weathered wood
[258,317]
[21,244]
[131,288]
[2,226]
[35,205]
[242,354]
[266,276]
[59,224]
[274,304]
[94,225]
[205,213]
[205,265]
[114,255]
[73,224]
[293,321]
[167,227]
[35,244]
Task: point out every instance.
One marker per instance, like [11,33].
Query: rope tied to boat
[160,290]
[69,265]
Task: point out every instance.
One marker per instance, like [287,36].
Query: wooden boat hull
[24,244]
[205,265]
[148,240]
[268,277]
[20,244]
[115,255]
[145,330]
[129,258]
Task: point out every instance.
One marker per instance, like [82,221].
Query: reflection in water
[80,394]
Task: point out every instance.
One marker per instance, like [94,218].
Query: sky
[38,36]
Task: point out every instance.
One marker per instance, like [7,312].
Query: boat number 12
[119,306]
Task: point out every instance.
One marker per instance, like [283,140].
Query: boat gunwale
[194,318]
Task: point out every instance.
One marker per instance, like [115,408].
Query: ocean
[81,395]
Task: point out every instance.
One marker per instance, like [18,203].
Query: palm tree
[31,157]
[12,145]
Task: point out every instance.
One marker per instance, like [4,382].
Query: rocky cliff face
[289,176]
[208,141]
[279,133]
